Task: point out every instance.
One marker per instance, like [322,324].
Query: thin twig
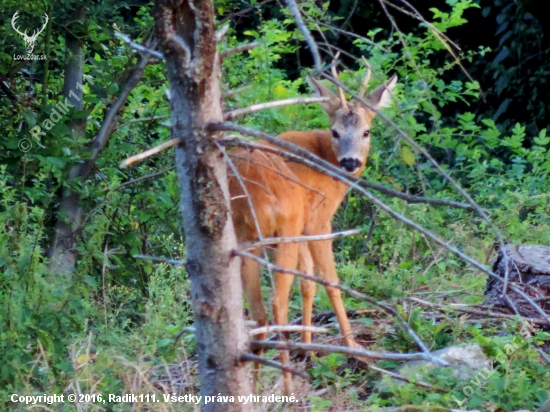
[162,260]
[306,33]
[404,379]
[139,47]
[234,92]
[480,211]
[296,239]
[485,313]
[129,182]
[300,155]
[286,328]
[244,12]
[148,153]
[293,178]
[249,357]
[142,119]
[303,154]
[361,296]
[277,103]
[239,49]
[344,350]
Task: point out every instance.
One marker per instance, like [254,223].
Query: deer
[290,200]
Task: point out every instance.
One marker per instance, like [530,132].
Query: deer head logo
[29,40]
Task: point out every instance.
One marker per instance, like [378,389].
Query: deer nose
[350,164]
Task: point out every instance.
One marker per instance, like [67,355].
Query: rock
[465,360]
[529,267]
[545,407]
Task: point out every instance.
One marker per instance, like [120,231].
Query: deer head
[29,40]
[350,123]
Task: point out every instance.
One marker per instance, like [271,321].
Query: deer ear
[381,96]
[331,105]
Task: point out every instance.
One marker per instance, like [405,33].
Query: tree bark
[187,36]
[62,255]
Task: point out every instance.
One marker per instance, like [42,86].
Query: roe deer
[290,199]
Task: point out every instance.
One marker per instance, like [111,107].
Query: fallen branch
[300,155]
[404,379]
[344,350]
[356,294]
[278,240]
[249,357]
[477,312]
[270,105]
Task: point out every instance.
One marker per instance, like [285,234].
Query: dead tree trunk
[187,34]
[529,270]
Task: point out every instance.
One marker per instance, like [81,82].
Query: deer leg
[305,265]
[250,274]
[321,252]
[286,257]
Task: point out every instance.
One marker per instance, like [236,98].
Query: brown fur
[285,208]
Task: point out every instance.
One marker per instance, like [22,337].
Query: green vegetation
[104,328]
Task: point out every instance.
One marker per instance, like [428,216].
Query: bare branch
[287,328]
[245,11]
[404,379]
[111,117]
[162,260]
[234,92]
[302,156]
[361,296]
[222,32]
[239,49]
[306,33]
[278,240]
[484,313]
[292,178]
[249,357]
[142,119]
[344,350]
[148,153]
[139,47]
[277,103]
[129,182]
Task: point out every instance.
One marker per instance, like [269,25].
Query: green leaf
[113,88]
[408,156]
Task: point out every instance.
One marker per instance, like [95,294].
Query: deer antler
[335,75]
[36,34]
[15,16]
[366,80]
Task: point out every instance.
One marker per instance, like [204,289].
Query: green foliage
[117,317]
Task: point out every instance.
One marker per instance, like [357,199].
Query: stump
[529,271]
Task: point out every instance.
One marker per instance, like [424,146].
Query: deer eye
[367,133]
[335,134]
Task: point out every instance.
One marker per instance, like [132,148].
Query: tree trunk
[62,254]
[187,35]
